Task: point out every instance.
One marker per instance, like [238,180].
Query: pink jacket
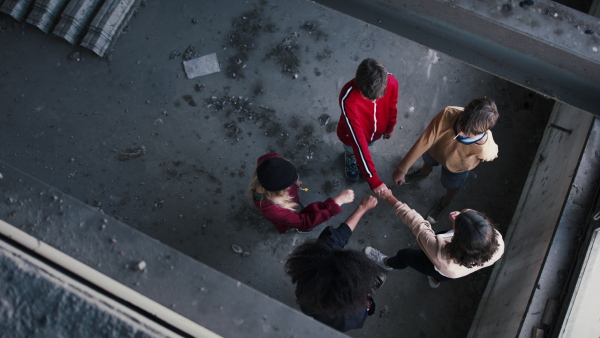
[433,245]
[309,217]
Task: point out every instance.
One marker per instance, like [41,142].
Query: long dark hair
[475,239]
[330,281]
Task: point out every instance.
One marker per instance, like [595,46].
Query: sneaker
[303,232]
[378,257]
[414,177]
[433,283]
[371,310]
[434,214]
[351,168]
[378,281]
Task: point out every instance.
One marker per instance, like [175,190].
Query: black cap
[276,174]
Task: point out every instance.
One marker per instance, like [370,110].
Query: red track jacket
[363,122]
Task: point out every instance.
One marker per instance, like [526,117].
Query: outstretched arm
[423,143]
[387,196]
[367,203]
[346,196]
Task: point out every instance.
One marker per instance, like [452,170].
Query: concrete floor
[66,122]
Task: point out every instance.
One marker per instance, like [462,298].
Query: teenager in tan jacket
[458,139]
[473,244]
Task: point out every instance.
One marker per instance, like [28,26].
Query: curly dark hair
[371,79]
[475,239]
[330,281]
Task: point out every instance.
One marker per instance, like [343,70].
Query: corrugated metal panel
[99,22]
[75,20]
[18,9]
[107,25]
[45,13]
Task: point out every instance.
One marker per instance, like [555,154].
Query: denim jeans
[450,180]
[349,149]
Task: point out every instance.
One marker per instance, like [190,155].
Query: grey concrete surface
[509,292]
[39,301]
[567,241]
[77,125]
[542,45]
[194,290]
[579,317]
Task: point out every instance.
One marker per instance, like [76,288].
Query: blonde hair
[281,198]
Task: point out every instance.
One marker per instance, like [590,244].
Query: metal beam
[539,44]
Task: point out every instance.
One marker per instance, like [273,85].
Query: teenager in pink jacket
[274,191]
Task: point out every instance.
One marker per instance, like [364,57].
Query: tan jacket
[438,140]
[433,244]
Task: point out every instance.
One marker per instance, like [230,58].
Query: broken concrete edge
[479,327]
[525,18]
[511,53]
[38,283]
[561,259]
[581,317]
[103,282]
[171,279]
[589,251]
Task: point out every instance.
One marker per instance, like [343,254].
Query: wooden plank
[509,289]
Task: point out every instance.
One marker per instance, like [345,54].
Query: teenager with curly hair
[334,285]
[473,244]
[274,191]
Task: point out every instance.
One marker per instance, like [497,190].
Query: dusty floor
[75,124]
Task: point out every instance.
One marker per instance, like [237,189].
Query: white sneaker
[433,283]
[378,257]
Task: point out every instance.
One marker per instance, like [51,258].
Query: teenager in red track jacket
[364,121]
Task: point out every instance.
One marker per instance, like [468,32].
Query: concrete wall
[170,279]
[543,46]
[509,289]
[583,313]
[40,301]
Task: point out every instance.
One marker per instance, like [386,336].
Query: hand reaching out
[386,136]
[388,196]
[398,177]
[380,188]
[368,202]
[346,196]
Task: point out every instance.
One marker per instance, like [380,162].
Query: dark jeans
[450,180]
[416,259]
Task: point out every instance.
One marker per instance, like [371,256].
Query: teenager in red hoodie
[274,191]
[368,104]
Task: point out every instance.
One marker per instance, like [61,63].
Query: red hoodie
[363,122]
[306,219]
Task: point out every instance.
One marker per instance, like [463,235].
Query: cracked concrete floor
[69,123]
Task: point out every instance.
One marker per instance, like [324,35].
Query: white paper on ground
[200,66]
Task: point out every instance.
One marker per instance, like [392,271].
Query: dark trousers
[416,259]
